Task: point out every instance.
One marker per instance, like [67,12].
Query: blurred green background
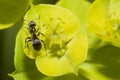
[7,44]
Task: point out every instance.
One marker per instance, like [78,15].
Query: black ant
[36,42]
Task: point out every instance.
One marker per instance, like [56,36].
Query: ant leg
[44,45]
[41,34]
[27,40]
[38,29]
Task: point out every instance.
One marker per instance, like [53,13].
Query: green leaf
[11,11]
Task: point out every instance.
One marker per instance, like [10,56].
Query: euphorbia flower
[64,48]
[104,20]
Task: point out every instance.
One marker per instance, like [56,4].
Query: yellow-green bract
[64,48]
[104,20]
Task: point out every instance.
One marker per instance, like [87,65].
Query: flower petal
[76,54]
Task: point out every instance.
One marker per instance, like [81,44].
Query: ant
[36,42]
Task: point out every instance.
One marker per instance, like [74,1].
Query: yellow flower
[104,20]
[63,47]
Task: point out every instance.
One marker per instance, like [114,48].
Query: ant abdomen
[37,44]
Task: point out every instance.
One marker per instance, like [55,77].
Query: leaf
[12,11]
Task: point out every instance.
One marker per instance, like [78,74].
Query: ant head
[31,24]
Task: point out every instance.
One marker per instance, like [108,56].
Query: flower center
[57,40]
[57,46]
[113,26]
